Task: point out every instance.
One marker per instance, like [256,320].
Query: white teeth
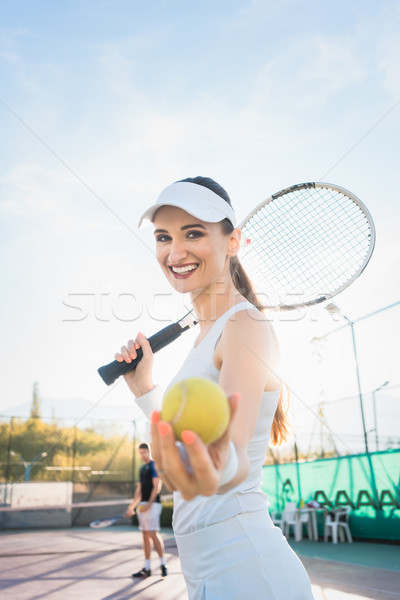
[184,269]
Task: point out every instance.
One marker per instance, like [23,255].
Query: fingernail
[155,417]
[163,428]
[187,436]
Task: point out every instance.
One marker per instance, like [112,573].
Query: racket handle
[109,373]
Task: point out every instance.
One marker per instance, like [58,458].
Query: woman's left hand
[208,462]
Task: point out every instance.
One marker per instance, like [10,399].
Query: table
[312,514]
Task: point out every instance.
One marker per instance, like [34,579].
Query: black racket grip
[109,373]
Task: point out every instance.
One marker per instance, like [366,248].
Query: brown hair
[241,281]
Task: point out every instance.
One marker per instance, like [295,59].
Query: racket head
[101,523]
[306,244]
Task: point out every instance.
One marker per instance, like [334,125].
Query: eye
[162,237]
[194,234]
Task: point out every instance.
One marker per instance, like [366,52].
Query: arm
[247,358]
[136,499]
[140,381]
[157,483]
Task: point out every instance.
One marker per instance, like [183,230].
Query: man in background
[147,498]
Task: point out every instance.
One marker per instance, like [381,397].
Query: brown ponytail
[242,283]
[280,424]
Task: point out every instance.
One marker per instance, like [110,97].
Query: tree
[35,408]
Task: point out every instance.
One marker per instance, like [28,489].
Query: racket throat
[188,321]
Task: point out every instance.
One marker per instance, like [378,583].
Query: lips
[183,271]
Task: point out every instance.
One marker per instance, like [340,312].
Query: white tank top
[247,496]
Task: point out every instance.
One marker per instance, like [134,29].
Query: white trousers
[243,557]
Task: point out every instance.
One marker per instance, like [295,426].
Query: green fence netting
[369,484]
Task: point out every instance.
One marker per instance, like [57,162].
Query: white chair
[337,522]
[292,517]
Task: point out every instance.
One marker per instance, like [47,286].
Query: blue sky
[104,103]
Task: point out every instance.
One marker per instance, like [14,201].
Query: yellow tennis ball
[199,405]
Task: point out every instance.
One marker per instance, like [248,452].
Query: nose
[177,252]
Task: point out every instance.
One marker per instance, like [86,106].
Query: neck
[212,302]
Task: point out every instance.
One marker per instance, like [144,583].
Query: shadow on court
[97,565]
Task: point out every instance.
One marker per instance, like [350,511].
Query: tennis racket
[100,524]
[302,246]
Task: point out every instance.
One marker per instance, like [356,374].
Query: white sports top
[247,496]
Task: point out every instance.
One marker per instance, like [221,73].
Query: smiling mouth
[184,271]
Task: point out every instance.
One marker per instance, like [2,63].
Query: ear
[234,242]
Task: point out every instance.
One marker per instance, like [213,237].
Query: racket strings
[300,261]
[325,250]
[308,242]
[297,258]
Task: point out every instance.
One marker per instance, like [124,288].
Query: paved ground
[92,564]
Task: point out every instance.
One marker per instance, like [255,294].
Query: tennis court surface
[89,564]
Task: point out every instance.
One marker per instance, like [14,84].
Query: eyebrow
[182,228]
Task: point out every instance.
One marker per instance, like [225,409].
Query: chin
[186,287]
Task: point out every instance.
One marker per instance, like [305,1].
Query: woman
[227,543]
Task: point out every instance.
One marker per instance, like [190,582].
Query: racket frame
[103,523]
[348,194]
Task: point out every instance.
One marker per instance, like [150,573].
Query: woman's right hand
[207,462]
[140,379]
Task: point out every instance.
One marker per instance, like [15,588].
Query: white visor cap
[195,199]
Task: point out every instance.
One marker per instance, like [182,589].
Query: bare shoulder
[248,329]
[253,326]
[248,335]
